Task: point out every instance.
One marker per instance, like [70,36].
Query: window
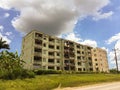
[78,52]
[83,69]
[51,46]
[50,67]
[91,69]
[38,35]
[90,63]
[95,55]
[96,64]
[78,57]
[79,63]
[37,49]
[58,47]
[51,53]
[79,69]
[58,68]
[95,59]
[58,61]
[37,58]
[89,58]
[51,60]
[44,44]
[58,54]
[82,52]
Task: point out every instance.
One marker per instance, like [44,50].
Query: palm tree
[3,44]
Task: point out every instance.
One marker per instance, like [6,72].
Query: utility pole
[116,59]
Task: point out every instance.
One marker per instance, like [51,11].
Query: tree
[3,44]
[11,66]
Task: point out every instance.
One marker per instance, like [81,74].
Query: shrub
[41,72]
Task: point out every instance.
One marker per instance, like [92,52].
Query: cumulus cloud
[53,17]
[8,33]
[74,37]
[6,15]
[113,38]
[91,43]
[99,16]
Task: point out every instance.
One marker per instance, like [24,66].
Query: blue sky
[91,22]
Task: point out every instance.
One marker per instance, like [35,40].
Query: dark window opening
[78,57]
[83,69]
[39,42]
[90,63]
[51,60]
[58,47]
[44,44]
[58,54]
[79,63]
[51,46]
[78,52]
[91,69]
[51,53]
[51,67]
[38,49]
[51,39]
[79,69]
[37,58]
[58,68]
[38,35]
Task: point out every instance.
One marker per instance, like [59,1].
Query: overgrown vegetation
[49,82]
[11,66]
[43,72]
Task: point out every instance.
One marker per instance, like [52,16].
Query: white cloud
[99,15]
[5,38]
[106,49]
[53,16]
[72,36]
[1,28]
[91,43]
[8,33]
[113,38]
[6,15]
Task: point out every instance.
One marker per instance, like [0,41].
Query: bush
[21,74]
[41,72]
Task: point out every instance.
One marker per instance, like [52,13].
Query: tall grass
[48,82]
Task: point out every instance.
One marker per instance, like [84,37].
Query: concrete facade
[42,51]
[99,59]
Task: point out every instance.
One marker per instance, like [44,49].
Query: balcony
[37,53]
[38,35]
[38,42]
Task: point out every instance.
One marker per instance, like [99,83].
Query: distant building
[99,59]
[42,51]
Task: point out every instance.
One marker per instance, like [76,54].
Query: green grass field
[48,82]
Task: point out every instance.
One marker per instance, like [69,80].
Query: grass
[48,82]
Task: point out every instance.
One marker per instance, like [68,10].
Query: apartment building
[42,51]
[99,59]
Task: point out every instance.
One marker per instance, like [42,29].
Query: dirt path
[103,86]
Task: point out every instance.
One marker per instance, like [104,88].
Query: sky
[89,22]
